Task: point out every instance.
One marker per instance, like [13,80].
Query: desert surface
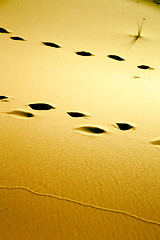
[80,120]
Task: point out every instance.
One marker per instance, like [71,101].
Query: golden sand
[79,120]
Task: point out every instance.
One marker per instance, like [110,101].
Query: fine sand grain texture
[80,138]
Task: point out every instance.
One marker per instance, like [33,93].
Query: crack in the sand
[79,203]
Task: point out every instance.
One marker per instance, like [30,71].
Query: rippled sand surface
[79,120]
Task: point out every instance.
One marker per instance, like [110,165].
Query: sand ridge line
[79,203]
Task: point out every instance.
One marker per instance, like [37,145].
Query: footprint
[136,77]
[3,30]
[145,67]
[115,57]
[19,113]
[156,142]
[156,2]
[84,53]
[41,106]
[3,98]
[77,114]
[50,44]
[124,126]
[18,38]
[91,130]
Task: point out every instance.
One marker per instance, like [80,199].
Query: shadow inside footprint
[156,2]
[20,113]
[50,44]
[3,98]
[156,142]
[41,106]
[145,67]
[91,130]
[124,126]
[84,53]
[3,30]
[136,77]
[77,114]
[115,57]
[18,38]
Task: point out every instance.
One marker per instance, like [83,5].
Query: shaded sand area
[79,120]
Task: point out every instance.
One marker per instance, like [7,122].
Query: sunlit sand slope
[79,120]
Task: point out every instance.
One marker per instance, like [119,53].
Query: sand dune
[80,172]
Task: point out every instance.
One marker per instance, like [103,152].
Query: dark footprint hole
[20,113]
[51,44]
[3,98]
[41,106]
[3,30]
[77,114]
[91,130]
[156,2]
[18,38]
[84,53]
[156,142]
[115,57]
[145,67]
[124,126]
[136,77]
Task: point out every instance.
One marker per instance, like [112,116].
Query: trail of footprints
[75,114]
[80,53]
[94,130]
[44,106]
